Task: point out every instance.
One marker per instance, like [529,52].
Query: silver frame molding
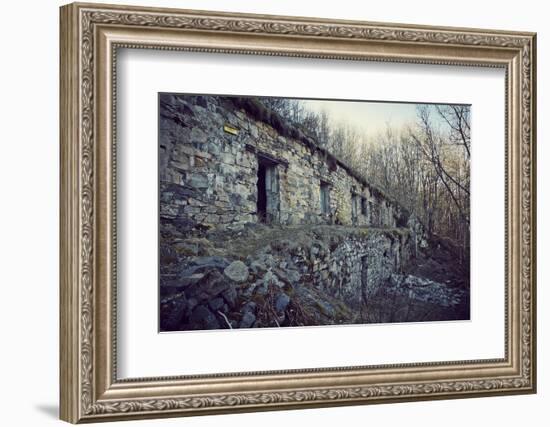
[90,36]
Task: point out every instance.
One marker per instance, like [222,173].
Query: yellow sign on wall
[230,129]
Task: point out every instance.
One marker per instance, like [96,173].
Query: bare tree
[457,118]
[448,153]
[424,166]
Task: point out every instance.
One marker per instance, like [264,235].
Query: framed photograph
[267,212]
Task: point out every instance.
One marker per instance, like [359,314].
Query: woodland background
[423,165]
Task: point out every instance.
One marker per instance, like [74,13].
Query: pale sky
[369,118]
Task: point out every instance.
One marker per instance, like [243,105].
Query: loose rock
[173,312]
[237,271]
[203,318]
[248,320]
[281,302]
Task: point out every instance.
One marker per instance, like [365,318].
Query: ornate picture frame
[90,37]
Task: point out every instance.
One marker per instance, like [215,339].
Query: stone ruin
[260,226]
[226,162]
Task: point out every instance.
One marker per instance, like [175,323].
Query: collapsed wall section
[293,276]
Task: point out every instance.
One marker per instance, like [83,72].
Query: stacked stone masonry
[262,227]
[222,166]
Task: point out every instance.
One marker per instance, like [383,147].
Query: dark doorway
[267,205]
[364,287]
[261,206]
[364,276]
[325,198]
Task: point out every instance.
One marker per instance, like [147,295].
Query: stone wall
[211,150]
[353,267]
[261,227]
[297,275]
